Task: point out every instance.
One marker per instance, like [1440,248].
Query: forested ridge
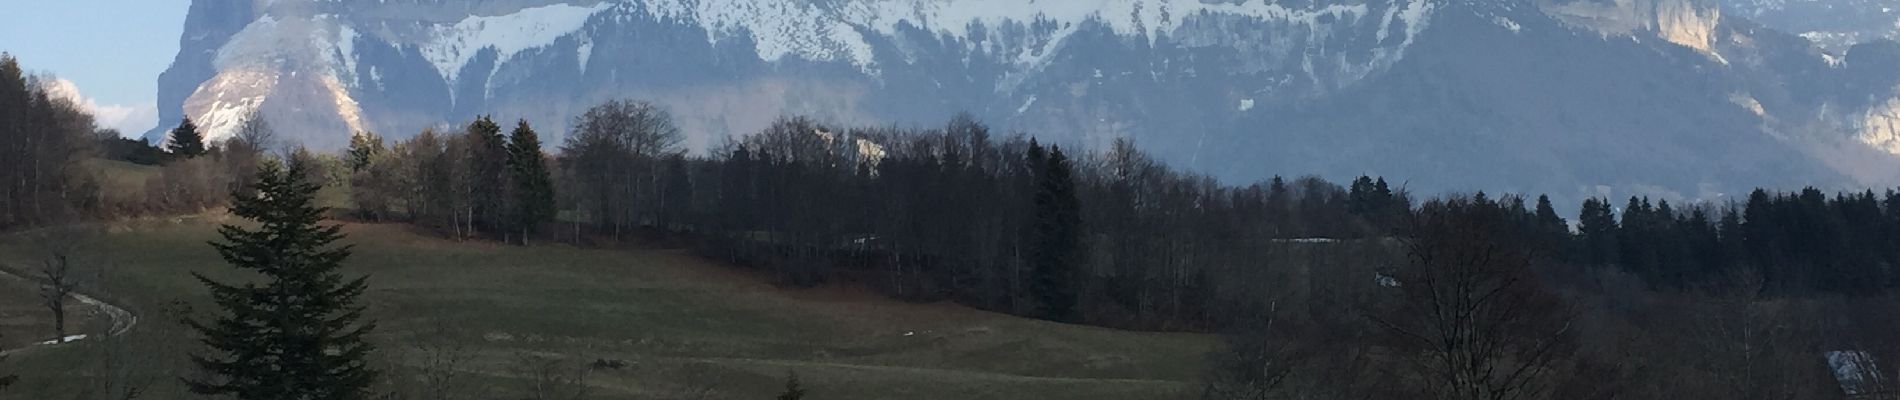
[1315,287]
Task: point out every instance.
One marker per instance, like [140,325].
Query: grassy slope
[24,318]
[683,323]
[23,315]
[120,176]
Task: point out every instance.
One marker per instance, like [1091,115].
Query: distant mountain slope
[1833,24]
[1572,97]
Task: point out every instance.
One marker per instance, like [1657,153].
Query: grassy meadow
[677,326]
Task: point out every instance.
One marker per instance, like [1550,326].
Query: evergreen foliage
[186,141]
[1057,238]
[297,332]
[43,140]
[364,147]
[528,171]
[794,390]
[486,161]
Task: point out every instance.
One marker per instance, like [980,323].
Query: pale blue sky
[113,50]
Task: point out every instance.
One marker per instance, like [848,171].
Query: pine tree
[186,141]
[364,146]
[488,176]
[1547,215]
[1057,237]
[1360,196]
[676,195]
[1552,229]
[297,333]
[1597,228]
[794,390]
[534,190]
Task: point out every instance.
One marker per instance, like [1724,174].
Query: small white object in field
[909,333]
[69,338]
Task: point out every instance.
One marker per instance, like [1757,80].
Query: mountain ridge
[1237,89]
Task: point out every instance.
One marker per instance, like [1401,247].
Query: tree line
[1796,243]
[925,214]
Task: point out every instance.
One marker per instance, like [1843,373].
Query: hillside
[684,326]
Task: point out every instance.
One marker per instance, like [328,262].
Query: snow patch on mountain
[1507,23]
[1880,127]
[220,105]
[452,46]
[836,32]
[345,46]
[256,42]
[585,52]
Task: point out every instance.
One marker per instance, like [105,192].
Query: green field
[686,328]
[119,176]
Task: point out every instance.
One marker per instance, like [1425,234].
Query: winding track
[122,320]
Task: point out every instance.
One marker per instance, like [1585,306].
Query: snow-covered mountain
[1833,24]
[1573,97]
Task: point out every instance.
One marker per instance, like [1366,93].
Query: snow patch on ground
[69,338]
[122,320]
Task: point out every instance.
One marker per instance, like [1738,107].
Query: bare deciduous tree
[1262,352]
[61,252]
[1470,315]
[613,153]
[551,377]
[1753,345]
[442,369]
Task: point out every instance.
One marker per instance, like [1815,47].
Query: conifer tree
[534,189]
[1057,237]
[676,194]
[364,146]
[1554,228]
[1597,228]
[297,332]
[186,141]
[488,175]
[794,390]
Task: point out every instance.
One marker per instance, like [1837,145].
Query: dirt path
[122,320]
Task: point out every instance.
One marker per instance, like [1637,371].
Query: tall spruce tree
[297,332]
[1597,230]
[1058,229]
[186,141]
[1553,229]
[488,175]
[534,190]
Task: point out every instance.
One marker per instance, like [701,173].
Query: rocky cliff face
[1572,97]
